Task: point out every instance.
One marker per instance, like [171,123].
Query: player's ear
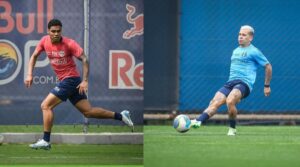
[251,37]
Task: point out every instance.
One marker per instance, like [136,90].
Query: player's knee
[45,107]
[230,102]
[88,114]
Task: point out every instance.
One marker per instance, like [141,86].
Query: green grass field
[71,154]
[209,146]
[68,128]
[13,154]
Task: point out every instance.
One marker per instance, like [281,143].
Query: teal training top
[244,64]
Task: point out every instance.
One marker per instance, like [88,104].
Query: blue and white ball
[182,123]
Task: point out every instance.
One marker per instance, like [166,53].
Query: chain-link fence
[108,23]
[209,32]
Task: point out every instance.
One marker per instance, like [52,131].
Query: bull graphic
[137,22]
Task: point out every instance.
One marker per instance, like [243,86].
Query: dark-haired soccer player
[244,62]
[61,50]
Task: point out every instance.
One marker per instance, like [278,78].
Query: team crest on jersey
[61,53]
[244,54]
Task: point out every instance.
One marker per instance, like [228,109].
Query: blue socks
[232,123]
[47,136]
[203,117]
[118,116]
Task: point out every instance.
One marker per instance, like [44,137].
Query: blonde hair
[251,29]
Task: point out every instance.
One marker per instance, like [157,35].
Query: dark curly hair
[54,22]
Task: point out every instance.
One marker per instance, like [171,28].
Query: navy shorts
[66,89]
[235,84]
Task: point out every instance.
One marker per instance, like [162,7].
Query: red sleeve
[40,47]
[75,48]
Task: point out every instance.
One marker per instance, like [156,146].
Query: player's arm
[83,86]
[32,61]
[268,77]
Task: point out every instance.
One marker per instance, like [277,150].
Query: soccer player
[60,50]
[245,60]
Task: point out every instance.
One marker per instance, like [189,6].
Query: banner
[116,56]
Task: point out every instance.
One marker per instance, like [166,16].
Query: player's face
[55,34]
[244,37]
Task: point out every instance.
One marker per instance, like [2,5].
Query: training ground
[102,145]
[209,146]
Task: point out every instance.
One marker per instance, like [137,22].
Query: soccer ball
[182,123]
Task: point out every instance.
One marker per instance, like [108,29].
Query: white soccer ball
[182,123]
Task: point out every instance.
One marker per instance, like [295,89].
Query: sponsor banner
[116,55]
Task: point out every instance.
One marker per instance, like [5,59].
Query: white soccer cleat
[231,132]
[195,124]
[126,118]
[41,144]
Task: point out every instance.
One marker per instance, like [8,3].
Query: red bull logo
[35,20]
[123,72]
[13,22]
[137,22]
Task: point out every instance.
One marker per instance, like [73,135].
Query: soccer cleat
[41,144]
[126,118]
[195,124]
[231,132]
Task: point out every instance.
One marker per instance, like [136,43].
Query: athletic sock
[118,116]
[47,136]
[203,117]
[232,123]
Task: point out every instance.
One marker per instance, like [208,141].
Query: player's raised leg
[47,106]
[233,98]
[96,112]
[218,100]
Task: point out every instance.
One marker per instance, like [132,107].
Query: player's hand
[83,87]
[267,91]
[28,81]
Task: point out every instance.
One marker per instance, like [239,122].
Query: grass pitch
[20,155]
[209,146]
